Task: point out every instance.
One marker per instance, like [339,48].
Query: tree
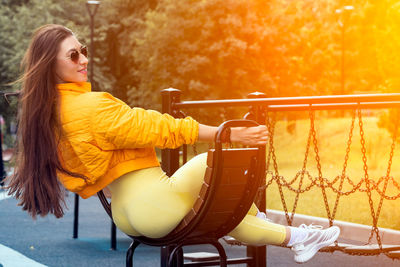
[18,20]
[217,48]
[119,22]
[210,49]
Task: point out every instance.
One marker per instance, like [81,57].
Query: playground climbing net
[366,185]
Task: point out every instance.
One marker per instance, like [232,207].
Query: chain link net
[365,185]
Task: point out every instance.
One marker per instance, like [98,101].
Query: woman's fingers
[260,135]
[250,135]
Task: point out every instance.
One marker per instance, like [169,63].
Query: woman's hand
[251,136]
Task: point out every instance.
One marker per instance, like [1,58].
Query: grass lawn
[332,136]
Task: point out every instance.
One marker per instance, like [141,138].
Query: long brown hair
[34,181]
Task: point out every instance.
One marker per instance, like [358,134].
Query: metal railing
[259,107]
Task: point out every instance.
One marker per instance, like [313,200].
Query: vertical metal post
[259,254]
[343,17]
[164,255]
[113,236]
[76,216]
[170,157]
[91,48]
[342,78]
[92,7]
[2,171]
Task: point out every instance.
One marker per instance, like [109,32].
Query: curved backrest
[231,196]
[230,185]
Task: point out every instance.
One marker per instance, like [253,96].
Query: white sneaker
[316,239]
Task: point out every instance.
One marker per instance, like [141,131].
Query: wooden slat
[217,217]
[228,197]
[225,205]
[234,157]
[197,205]
[394,254]
[207,175]
[235,175]
[333,247]
[201,256]
[203,191]
[243,260]
[229,192]
[371,248]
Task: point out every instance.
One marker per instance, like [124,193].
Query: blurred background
[218,48]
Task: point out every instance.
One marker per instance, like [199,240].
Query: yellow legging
[149,203]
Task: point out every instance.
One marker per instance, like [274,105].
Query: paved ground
[48,242]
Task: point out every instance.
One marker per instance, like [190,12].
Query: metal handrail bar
[303,100]
[341,106]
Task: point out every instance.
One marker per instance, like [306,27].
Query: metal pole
[89,5]
[76,216]
[113,236]
[343,14]
[2,171]
[170,157]
[259,254]
[91,47]
[342,62]
[92,7]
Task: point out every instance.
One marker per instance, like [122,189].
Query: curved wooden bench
[232,179]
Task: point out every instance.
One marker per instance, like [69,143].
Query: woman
[91,141]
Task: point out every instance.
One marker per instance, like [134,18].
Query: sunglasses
[76,54]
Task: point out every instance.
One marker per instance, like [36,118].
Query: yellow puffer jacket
[103,138]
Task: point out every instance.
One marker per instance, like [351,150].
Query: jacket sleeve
[117,126]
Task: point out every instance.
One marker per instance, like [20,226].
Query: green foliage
[119,21]
[226,49]
[219,48]
[388,43]
[208,49]
[17,23]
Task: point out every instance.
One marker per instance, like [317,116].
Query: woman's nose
[83,60]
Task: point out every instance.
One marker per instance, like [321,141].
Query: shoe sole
[307,256]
